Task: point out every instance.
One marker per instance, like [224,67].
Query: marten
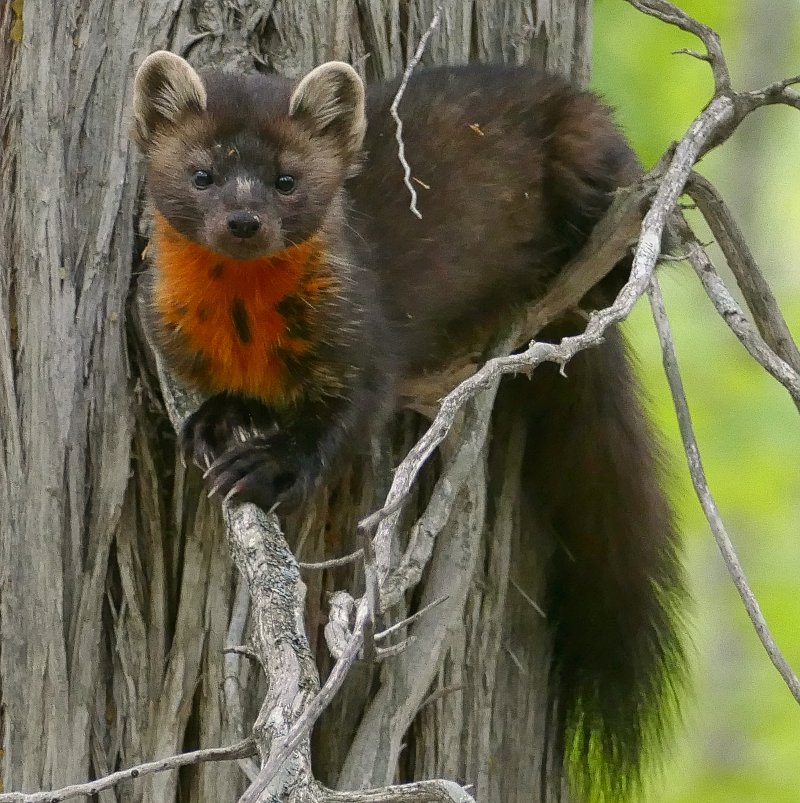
[294,288]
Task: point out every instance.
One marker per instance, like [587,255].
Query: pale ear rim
[316,91]
[314,75]
[164,85]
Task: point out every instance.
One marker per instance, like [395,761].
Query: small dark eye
[284,184]
[202,179]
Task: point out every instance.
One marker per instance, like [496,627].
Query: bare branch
[515,660]
[240,649]
[409,619]
[401,148]
[281,751]
[439,693]
[247,747]
[707,500]
[673,15]
[709,129]
[527,597]
[393,650]
[777,92]
[421,792]
[437,515]
[610,240]
[264,558]
[333,563]
[373,754]
[371,594]
[685,51]
[669,189]
[754,287]
[230,684]
[729,310]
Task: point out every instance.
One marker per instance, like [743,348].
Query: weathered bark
[116,588]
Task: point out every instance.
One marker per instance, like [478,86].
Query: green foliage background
[741,739]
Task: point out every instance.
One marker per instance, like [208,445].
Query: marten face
[241,192]
[245,167]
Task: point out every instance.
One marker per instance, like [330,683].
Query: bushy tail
[615,589]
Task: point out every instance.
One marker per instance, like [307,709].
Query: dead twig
[299,731]
[243,749]
[371,594]
[731,313]
[527,597]
[231,660]
[403,623]
[420,792]
[401,148]
[333,563]
[707,500]
[757,293]
[240,649]
[672,15]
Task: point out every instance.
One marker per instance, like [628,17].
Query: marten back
[512,168]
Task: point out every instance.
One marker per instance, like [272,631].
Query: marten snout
[243,224]
[239,228]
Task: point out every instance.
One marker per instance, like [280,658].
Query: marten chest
[242,326]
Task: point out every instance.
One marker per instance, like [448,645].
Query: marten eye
[284,184]
[202,179]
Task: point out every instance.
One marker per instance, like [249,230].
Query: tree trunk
[117,594]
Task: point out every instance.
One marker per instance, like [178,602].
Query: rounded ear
[330,101]
[165,87]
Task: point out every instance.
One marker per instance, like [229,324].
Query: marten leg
[285,453]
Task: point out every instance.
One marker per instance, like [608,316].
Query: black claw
[264,468]
[252,474]
[259,471]
[213,428]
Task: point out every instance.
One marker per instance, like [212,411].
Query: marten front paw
[221,422]
[262,470]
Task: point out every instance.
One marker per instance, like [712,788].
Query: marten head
[246,166]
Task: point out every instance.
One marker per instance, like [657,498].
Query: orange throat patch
[242,326]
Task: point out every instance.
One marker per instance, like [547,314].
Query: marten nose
[243,224]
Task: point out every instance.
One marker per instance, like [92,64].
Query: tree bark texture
[116,588]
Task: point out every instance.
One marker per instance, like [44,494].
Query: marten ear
[330,101]
[166,86]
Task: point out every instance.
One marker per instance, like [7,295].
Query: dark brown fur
[518,167]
